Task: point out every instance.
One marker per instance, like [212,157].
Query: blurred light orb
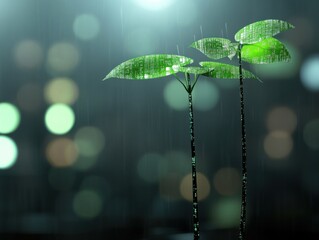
[59,118]
[148,167]
[174,162]
[61,152]
[203,187]
[9,118]
[205,95]
[29,97]
[8,152]
[282,119]
[86,27]
[175,95]
[311,134]
[278,144]
[309,73]
[154,5]
[226,212]
[28,54]
[62,58]
[61,90]
[227,181]
[87,204]
[90,141]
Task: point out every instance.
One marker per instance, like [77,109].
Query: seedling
[162,65]
[255,44]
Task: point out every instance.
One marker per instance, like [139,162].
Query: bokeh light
[309,73]
[90,141]
[61,152]
[141,41]
[227,181]
[282,119]
[29,97]
[280,69]
[9,117]
[226,212]
[59,118]
[8,152]
[62,58]
[203,187]
[28,54]
[87,204]
[175,95]
[61,179]
[61,90]
[278,144]
[154,5]
[311,134]
[148,167]
[86,27]
[175,162]
[205,95]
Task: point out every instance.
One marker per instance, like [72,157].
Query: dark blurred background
[83,158]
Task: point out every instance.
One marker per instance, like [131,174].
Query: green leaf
[261,30]
[149,66]
[226,71]
[194,70]
[216,48]
[269,50]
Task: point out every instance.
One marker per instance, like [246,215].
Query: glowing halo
[154,5]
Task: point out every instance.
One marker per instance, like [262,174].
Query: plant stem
[242,227]
[194,177]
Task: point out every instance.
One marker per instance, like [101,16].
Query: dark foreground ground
[133,234]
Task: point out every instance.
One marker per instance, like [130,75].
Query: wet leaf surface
[148,67]
[226,71]
[216,48]
[269,50]
[258,31]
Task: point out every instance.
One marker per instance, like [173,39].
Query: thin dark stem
[194,177]
[242,227]
[181,82]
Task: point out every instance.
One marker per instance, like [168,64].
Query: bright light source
[154,5]
[59,118]
[309,73]
[9,117]
[8,152]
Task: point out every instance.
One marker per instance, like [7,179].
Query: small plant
[255,44]
[162,65]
